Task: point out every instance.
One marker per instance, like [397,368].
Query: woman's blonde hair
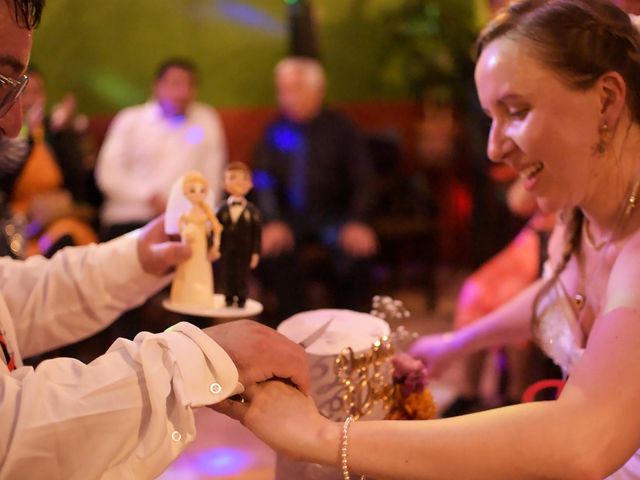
[192,177]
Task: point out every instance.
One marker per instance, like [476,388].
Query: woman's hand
[437,352]
[287,420]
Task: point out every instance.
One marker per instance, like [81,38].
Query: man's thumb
[169,254]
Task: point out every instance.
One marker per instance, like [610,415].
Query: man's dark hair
[181,63]
[28,12]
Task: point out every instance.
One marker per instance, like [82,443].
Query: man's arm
[82,289]
[135,401]
[127,414]
[75,294]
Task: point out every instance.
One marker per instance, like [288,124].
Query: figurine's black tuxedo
[239,241]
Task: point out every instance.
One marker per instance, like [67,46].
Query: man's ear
[612,90]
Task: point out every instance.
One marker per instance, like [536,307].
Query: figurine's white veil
[179,204]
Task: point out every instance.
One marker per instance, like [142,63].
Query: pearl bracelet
[344,446]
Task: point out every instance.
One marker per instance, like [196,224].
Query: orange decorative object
[412,400]
[41,174]
[415,406]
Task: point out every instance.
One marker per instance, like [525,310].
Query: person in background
[48,189]
[148,146]
[497,281]
[313,185]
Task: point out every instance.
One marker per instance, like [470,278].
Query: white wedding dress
[557,332]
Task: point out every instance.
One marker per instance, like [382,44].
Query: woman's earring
[603,141]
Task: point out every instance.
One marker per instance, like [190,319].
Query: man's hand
[286,420]
[358,240]
[157,253]
[260,353]
[158,203]
[277,238]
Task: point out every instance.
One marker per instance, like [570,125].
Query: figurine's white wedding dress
[193,281]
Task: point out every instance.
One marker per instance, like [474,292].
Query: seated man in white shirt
[129,413]
[148,146]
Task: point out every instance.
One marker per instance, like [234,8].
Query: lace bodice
[556,327]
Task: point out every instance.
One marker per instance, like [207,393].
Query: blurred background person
[313,184]
[493,284]
[149,146]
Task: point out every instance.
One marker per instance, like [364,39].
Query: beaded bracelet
[344,446]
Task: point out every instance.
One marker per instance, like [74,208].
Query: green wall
[107,50]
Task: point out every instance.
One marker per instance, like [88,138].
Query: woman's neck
[617,180]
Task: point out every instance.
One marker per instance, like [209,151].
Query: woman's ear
[612,90]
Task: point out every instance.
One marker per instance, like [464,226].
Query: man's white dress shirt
[145,151]
[127,414]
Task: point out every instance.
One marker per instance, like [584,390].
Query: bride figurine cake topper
[189,210]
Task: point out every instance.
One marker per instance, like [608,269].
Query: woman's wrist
[327,448]
[459,341]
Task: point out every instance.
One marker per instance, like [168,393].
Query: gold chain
[589,237]
[580,298]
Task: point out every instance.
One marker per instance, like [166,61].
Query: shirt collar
[232,199]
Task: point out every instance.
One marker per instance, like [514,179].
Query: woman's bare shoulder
[623,288]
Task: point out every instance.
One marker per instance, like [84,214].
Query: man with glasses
[11,90]
[137,400]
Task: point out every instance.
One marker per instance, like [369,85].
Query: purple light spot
[224,461]
[250,16]
[286,138]
[194,135]
[263,180]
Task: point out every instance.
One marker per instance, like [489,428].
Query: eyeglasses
[10,91]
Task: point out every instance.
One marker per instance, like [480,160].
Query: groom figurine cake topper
[241,235]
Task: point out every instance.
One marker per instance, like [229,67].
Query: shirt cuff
[207,373]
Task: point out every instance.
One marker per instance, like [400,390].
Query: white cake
[348,329]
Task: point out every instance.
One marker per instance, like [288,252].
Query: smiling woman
[560,80]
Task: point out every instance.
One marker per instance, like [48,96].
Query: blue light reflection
[223,461]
